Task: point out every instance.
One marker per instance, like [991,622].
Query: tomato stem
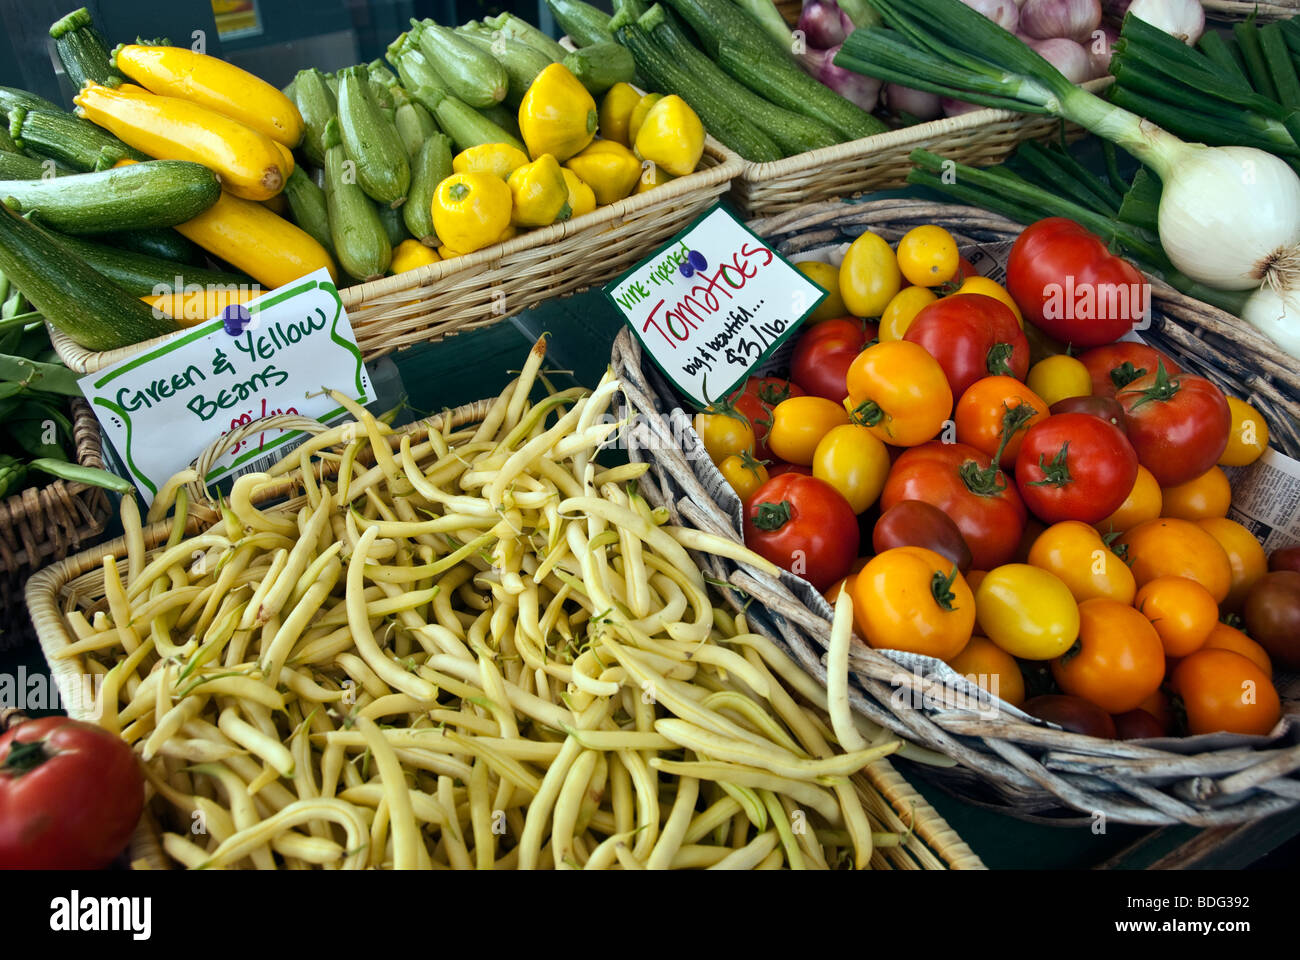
[773,516]
[1125,374]
[983,481]
[998,360]
[941,588]
[1056,473]
[867,413]
[24,756]
[1162,389]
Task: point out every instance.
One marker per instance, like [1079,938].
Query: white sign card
[162,408]
[713,304]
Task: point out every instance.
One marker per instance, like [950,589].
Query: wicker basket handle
[285,421]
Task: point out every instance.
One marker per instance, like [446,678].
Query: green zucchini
[318,106]
[15,166]
[503,117]
[332,81]
[380,73]
[414,123]
[719,117]
[70,293]
[793,132]
[82,51]
[159,193]
[465,125]
[598,66]
[165,244]
[141,275]
[307,204]
[371,141]
[785,84]
[393,224]
[61,136]
[12,97]
[382,96]
[716,20]
[522,30]
[7,144]
[583,23]
[432,165]
[469,73]
[522,63]
[357,235]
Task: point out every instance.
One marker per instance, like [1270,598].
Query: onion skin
[1072,19]
[1002,12]
[918,103]
[1184,19]
[1067,56]
[1100,49]
[955,108]
[854,87]
[824,24]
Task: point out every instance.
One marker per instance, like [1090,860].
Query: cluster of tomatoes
[1055,530]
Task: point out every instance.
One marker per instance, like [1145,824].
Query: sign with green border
[713,304]
[162,408]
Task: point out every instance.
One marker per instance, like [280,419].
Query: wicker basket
[1241,9]
[485,287]
[929,844]
[47,523]
[1004,759]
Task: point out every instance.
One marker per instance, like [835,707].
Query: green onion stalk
[1229,216]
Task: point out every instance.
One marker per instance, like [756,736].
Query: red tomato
[912,523]
[1072,287]
[1116,365]
[756,400]
[1177,423]
[1285,558]
[972,336]
[823,353]
[70,796]
[1137,724]
[1104,408]
[965,269]
[1072,713]
[1075,467]
[960,481]
[780,467]
[803,525]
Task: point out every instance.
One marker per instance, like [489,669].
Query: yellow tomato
[798,425]
[902,310]
[828,278]
[1205,496]
[913,599]
[1181,610]
[743,473]
[1075,552]
[1246,556]
[900,392]
[724,434]
[1058,377]
[991,668]
[869,276]
[854,462]
[991,288]
[928,256]
[1248,437]
[1028,612]
[1144,502]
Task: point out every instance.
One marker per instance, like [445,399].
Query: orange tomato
[1177,548]
[1118,661]
[1224,637]
[986,664]
[1158,706]
[1222,690]
[991,406]
[798,425]
[1181,610]
[1144,502]
[1246,556]
[838,587]
[1205,496]
[974,578]
[1075,552]
[900,392]
[913,599]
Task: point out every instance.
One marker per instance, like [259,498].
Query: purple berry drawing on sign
[235,318]
[694,263]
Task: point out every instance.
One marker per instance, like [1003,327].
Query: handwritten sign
[162,408]
[713,304]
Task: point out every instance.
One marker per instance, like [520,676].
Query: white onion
[1073,19]
[1002,12]
[1184,19]
[1230,216]
[1067,56]
[1276,315]
[919,103]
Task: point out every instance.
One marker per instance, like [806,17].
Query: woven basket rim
[725,166]
[32,505]
[907,807]
[1212,777]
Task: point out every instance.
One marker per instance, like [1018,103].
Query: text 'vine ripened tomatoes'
[803,525]
[1072,287]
